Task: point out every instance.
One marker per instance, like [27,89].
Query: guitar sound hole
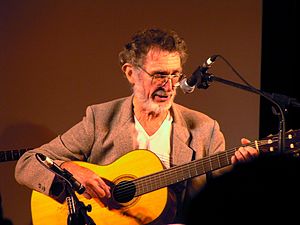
[124,191]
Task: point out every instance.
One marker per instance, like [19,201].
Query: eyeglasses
[162,79]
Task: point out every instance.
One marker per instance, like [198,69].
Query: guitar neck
[183,172]
[192,169]
[11,155]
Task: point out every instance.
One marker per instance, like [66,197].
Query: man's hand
[244,154]
[95,187]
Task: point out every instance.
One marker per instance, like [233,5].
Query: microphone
[188,85]
[51,165]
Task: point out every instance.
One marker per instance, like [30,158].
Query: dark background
[266,189]
[279,58]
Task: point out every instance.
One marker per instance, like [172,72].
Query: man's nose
[168,85]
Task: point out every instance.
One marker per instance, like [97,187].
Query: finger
[239,156]
[95,191]
[253,151]
[245,151]
[99,191]
[248,152]
[236,158]
[233,159]
[86,195]
[105,188]
[245,141]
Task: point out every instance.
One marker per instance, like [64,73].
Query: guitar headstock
[292,143]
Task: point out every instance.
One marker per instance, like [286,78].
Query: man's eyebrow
[165,72]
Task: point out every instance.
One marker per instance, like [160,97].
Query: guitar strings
[153,181]
[149,181]
[214,161]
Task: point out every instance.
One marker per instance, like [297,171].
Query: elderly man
[148,119]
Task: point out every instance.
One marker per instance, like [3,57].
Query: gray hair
[135,51]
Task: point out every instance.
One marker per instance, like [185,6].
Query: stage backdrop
[58,57]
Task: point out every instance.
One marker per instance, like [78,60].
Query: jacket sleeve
[75,144]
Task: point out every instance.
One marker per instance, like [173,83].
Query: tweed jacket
[107,132]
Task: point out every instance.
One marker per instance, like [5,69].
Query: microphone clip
[204,81]
[63,173]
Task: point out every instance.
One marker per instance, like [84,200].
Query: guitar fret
[207,165]
[225,159]
[218,157]
[203,167]
[11,155]
[215,164]
[2,156]
[195,169]
[189,170]
[180,175]
[200,170]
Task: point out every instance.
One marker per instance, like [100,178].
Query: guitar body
[139,210]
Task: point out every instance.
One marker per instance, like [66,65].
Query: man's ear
[127,68]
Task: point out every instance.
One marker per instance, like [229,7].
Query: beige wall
[56,58]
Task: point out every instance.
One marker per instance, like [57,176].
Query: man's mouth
[161,95]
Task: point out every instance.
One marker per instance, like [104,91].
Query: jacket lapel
[181,152]
[124,132]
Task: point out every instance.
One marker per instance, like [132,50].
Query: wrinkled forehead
[158,57]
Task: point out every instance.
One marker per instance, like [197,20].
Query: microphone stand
[77,209]
[207,78]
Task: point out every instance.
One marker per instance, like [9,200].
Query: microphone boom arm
[208,78]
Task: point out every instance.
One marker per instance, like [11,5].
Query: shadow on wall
[17,137]
[24,135]
[3,221]
[264,190]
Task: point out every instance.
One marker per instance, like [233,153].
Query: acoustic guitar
[140,185]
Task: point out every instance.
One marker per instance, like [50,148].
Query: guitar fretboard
[11,155]
[192,169]
[183,172]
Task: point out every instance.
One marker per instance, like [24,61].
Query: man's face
[151,95]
